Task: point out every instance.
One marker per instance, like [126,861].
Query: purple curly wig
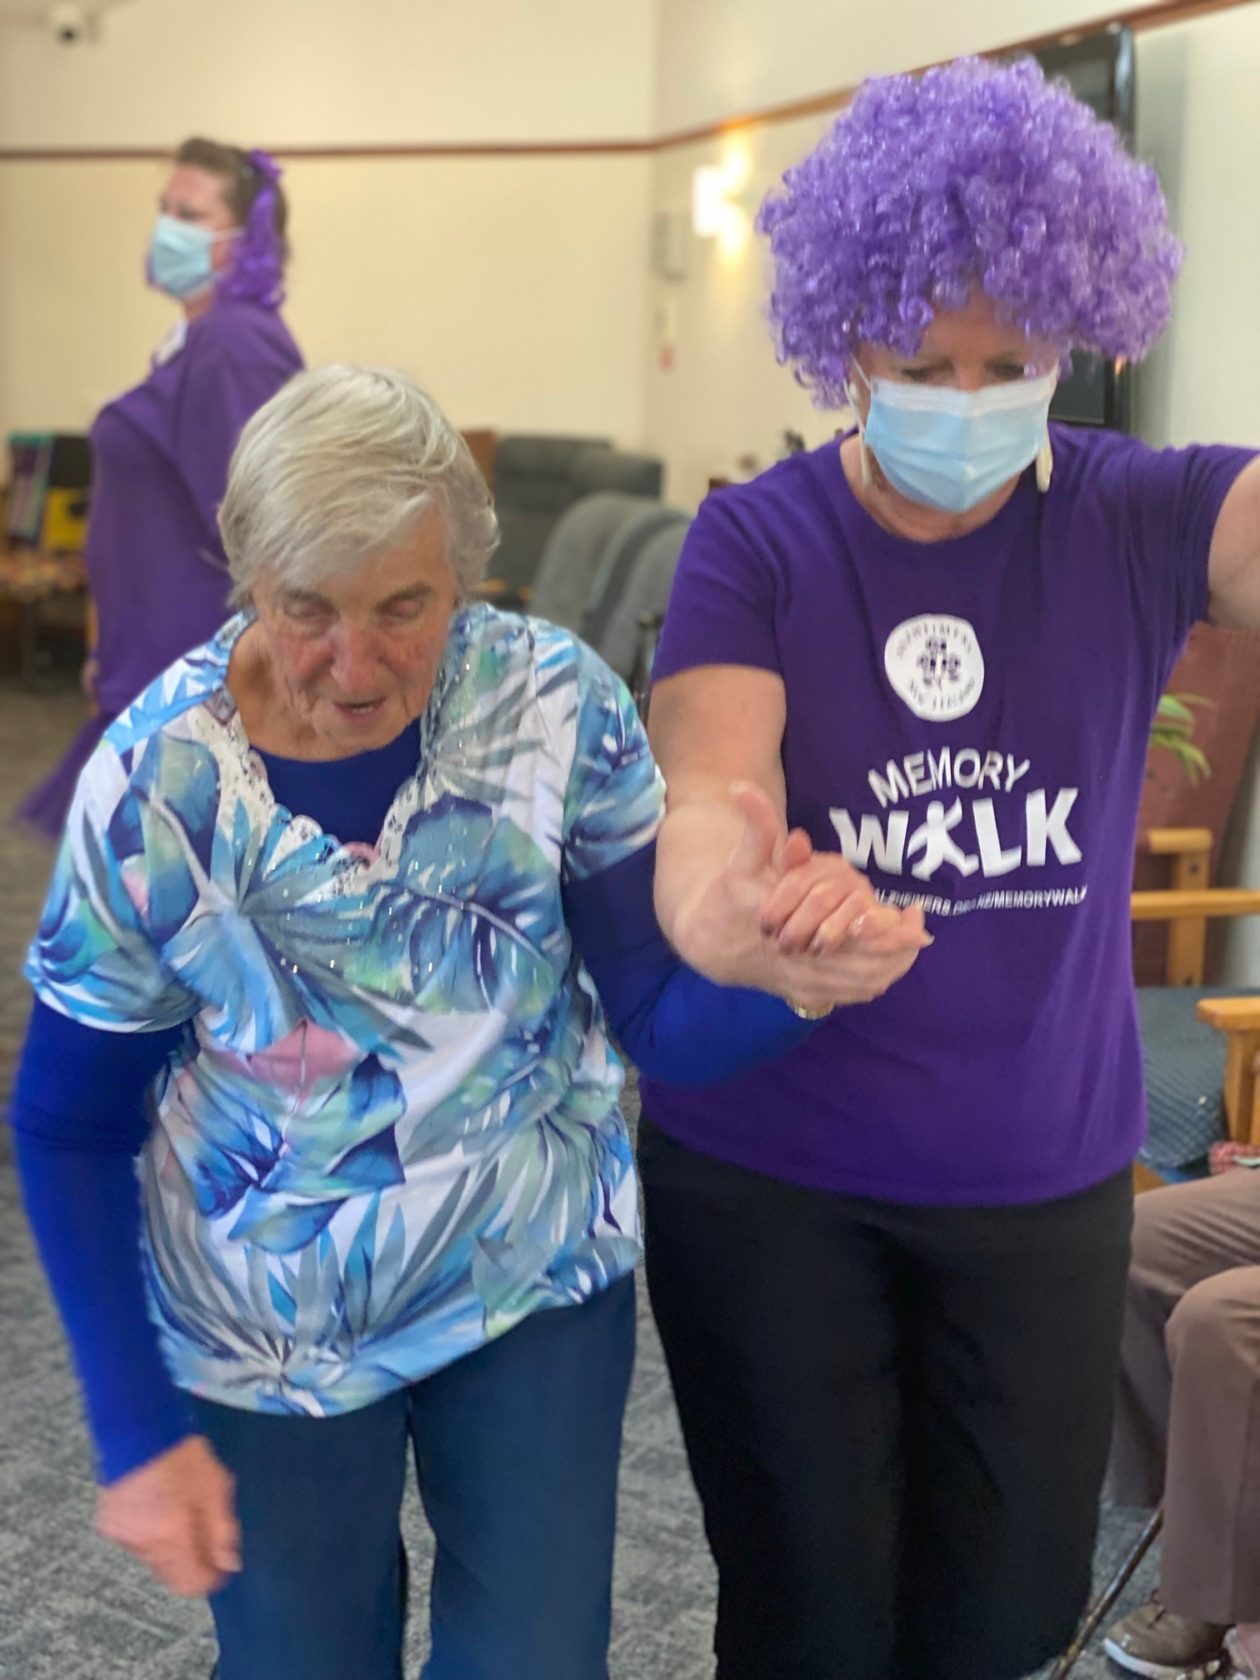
[257,271]
[973,174]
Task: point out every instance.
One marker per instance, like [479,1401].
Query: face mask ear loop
[864,454]
[1045,465]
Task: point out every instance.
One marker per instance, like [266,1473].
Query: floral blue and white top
[394,1131]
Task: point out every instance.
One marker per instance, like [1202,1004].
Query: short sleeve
[615,797]
[1173,498]
[722,605]
[95,958]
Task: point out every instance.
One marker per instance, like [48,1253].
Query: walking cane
[1107,1597]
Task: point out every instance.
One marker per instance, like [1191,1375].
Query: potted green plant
[1173,729]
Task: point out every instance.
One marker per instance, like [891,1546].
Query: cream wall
[326,71]
[714,390]
[513,287]
[514,284]
[721,57]
[1199,122]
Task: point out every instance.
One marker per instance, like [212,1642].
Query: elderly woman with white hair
[347,903]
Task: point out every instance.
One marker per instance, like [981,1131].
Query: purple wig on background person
[971,175]
[256,274]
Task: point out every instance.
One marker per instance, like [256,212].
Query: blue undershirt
[76,1152]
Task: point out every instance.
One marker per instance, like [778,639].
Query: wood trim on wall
[434,149]
[1155,14]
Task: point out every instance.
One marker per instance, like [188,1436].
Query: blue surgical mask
[180,256]
[951,449]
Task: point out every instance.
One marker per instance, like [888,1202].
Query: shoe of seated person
[1157,1643]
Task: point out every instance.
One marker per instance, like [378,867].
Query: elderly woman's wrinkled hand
[177,1515]
[878,947]
[826,939]
[824,904]
[833,941]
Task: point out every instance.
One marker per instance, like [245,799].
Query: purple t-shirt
[155,562]
[160,457]
[968,722]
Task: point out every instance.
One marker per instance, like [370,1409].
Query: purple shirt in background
[968,722]
[155,563]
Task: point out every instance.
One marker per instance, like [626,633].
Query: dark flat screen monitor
[1099,70]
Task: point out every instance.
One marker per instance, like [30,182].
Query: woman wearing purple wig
[890,1272]
[160,452]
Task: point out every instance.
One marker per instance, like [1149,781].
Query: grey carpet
[72,1607]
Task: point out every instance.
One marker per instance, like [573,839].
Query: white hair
[339,467]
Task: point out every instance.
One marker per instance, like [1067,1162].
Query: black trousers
[897,1417]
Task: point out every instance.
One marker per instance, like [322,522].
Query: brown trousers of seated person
[1188,1418]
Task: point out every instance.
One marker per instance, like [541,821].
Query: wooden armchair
[1186,906]
[1239,1019]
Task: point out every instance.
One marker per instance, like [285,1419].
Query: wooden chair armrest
[1230,1014]
[1168,906]
[1175,842]
[1239,1019]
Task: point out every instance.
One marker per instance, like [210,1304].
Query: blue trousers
[516,1449]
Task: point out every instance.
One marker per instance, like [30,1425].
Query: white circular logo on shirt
[936,666]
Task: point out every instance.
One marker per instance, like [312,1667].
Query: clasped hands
[801,923]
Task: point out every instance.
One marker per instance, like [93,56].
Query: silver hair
[340,466]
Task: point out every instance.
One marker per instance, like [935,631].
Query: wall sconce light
[719,208]
[709,200]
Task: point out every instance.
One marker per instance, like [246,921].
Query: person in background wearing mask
[156,568]
[889,1273]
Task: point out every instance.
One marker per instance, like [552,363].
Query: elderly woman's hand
[816,907]
[832,941]
[822,936]
[177,1515]
[879,947]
